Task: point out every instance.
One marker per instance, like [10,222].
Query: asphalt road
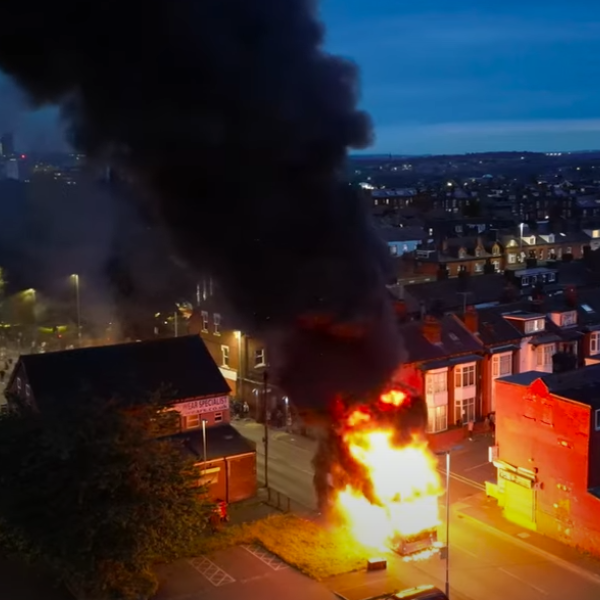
[483,565]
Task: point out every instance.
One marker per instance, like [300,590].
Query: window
[225,355]
[595,342]
[496,250]
[502,365]
[597,419]
[569,250]
[217,323]
[436,383]
[462,253]
[437,418]
[19,384]
[478,251]
[478,267]
[192,421]
[218,417]
[544,355]
[464,411]
[496,264]
[204,321]
[525,280]
[259,357]
[512,258]
[464,376]
[534,325]
[568,318]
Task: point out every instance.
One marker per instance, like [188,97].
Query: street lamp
[204,443]
[75,279]
[238,337]
[521,226]
[446,553]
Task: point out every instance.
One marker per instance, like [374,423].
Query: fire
[399,499]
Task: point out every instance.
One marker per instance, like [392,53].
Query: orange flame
[405,482]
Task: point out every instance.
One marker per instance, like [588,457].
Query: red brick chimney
[571,296]
[432,329]
[471,319]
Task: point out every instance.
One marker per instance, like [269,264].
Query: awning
[505,348]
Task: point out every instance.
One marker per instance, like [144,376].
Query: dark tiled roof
[455,340]
[180,367]
[580,385]
[494,329]
[221,441]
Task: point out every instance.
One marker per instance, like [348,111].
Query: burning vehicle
[375,475]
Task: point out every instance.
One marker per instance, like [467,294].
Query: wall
[537,430]
[233,479]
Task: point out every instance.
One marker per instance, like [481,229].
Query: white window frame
[259,357]
[597,419]
[437,418]
[217,324]
[204,316]
[496,264]
[218,417]
[500,363]
[569,318]
[535,325]
[436,382]
[595,342]
[225,356]
[544,354]
[465,375]
[512,258]
[465,410]
[478,267]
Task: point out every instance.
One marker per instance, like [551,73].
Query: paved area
[242,572]
[489,557]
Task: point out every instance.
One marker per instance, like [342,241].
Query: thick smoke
[334,466]
[237,123]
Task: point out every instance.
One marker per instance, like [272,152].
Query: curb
[565,564]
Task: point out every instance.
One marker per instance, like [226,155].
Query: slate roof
[221,440]
[581,385]
[456,340]
[494,329]
[181,367]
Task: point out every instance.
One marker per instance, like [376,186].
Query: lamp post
[204,453]
[446,550]
[75,279]
[239,394]
[266,436]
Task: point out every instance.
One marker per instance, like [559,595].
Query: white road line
[533,587]
[211,571]
[476,467]
[272,561]
[464,480]
[455,545]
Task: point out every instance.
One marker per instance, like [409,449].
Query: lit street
[482,564]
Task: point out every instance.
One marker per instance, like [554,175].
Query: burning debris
[376,476]
[235,122]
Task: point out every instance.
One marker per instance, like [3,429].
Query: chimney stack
[571,296]
[471,319]
[432,329]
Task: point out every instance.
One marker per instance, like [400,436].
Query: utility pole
[445,555]
[176,323]
[266,417]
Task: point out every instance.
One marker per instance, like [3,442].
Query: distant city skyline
[444,79]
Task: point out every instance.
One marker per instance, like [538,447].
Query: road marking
[212,572]
[471,554]
[465,480]
[476,467]
[267,557]
[533,587]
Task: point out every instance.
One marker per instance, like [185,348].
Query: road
[483,565]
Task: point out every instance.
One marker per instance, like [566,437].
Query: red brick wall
[537,430]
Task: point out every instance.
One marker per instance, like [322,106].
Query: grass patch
[310,548]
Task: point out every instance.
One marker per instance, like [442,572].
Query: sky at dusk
[449,77]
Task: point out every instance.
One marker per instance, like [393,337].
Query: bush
[303,544]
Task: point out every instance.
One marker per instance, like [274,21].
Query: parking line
[211,571]
[272,561]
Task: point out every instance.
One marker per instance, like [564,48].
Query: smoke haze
[232,117]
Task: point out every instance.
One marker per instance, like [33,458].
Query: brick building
[180,369]
[548,454]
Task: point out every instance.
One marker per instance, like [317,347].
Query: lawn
[310,548]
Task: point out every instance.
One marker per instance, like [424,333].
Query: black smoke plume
[236,123]
[335,467]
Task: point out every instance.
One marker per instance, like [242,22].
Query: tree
[97,494]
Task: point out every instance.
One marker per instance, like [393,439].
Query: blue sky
[441,76]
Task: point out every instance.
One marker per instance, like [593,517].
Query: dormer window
[478,251]
[462,253]
[569,318]
[535,325]
[496,250]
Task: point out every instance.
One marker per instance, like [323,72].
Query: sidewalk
[485,512]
